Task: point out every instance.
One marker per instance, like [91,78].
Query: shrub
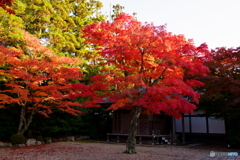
[233,133]
[233,137]
[40,138]
[47,139]
[17,139]
[55,140]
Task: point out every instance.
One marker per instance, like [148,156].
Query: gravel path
[103,151]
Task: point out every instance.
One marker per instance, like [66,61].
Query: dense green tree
[117,9]
[58,23]
[10,29]
[94,122]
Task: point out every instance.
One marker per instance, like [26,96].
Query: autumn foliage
[38,81]
[146,69]
[221,93]
[148,66]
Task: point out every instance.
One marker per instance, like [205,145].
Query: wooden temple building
[163,129]
[157,128]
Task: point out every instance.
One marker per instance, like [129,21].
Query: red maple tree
[37,81]
[222,85]
[146,68]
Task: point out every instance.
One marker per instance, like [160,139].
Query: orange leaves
[68,60]
[5,99]
[72,111]
[174,73]
[121,103]
[43,113]
[34,46]
[149,62]
[40,94]
[7,54]
[34,80]
[20,91]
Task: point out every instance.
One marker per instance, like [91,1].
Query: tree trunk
[131,141]
[21,119]
[24,121]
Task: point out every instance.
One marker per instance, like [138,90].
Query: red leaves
[121,103]
[194,83]
[222,84]
[5,3]
[147,56]
[81,90]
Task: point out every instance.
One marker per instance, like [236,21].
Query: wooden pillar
[153,141]
[140,140]
[190,123]
[153,124]
[157,140]
[107,137]
[117,138]
[173,131]
[207,124]
[183,130]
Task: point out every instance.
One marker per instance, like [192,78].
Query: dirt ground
[104,151]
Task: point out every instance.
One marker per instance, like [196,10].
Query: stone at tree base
[31,142]
[48,141]
[38,143]
[71,138]
[5,144]
[79,138]
[19,145]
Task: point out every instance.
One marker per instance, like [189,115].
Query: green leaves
[59,22]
